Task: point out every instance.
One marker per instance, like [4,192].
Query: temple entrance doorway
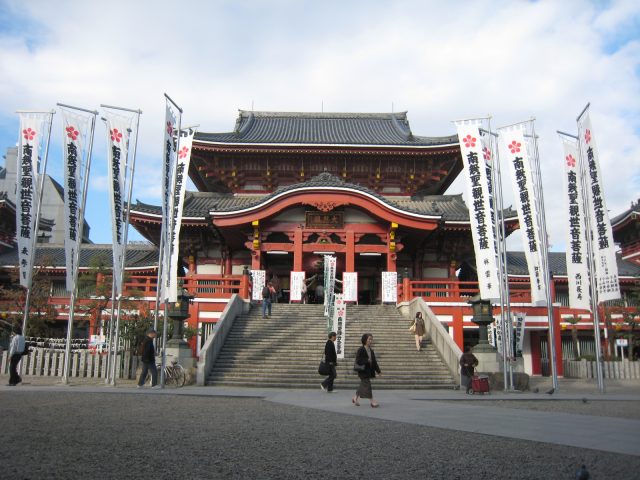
[278,266]
[369,267]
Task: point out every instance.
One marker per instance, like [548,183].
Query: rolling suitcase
[480,384]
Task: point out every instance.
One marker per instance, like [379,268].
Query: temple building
[282,190]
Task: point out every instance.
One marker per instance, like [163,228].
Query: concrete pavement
[489,414]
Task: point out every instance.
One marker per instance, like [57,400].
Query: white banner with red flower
[27,190]
[168,165]
[577,270]
[526,204]
[75,128]
[602,242]
[475,158]
[339,324]
[177,202]
[118,133]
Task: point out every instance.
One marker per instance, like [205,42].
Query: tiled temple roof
[517,263]
[199,204]
[282,128]
[138,256]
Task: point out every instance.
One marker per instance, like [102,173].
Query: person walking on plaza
[468,362]
[331,359]
[418,329]
[16,349]
[267,297]
[148,360]
[366,366]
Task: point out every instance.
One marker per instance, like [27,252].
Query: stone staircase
[284,351]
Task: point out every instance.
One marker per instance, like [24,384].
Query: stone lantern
[178,312]
[482,316]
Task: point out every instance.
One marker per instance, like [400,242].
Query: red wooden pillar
[350,257]
[228,268]
[406,290]
[534,338]
[297,250]
[458,328]
[557,340]
[244,287]
[192,264]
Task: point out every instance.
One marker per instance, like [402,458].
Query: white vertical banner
[517,156]
[118,135]
[329,281]
[491,335]
[177,203]
[603,247]
[498,331]
[350,286]
[168,165]
[27,193]
[339,322]
[577,266]
[389,287]
[481,216]
[295,286]
[519,320]
[75,128]
[258,278]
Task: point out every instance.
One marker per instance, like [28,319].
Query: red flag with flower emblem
[177,202]
[74,138]
[118,134]
[32,127]
[475,157]
[577,272]
[606,270]
[526,200]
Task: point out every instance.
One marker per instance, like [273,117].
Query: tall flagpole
[168,249]
[593,287]
[74,291]
[503,274]
[544,244]
[34,236]
[131,167]
[111,328]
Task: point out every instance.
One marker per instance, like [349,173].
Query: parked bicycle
[174,374]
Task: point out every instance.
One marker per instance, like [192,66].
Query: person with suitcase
[468,362]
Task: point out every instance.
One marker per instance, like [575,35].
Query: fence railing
[43,362]
[622,370]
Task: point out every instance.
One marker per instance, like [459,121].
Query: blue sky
[511,59]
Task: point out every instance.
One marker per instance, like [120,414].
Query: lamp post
[482,316]
[178,313]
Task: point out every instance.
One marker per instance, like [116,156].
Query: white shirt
[17,345]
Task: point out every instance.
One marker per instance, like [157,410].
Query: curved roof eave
[326,145]
[287,193]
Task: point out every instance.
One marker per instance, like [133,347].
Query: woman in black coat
[367,358]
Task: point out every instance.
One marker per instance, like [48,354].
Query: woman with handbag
[366,366]
[418,329]
[468,362]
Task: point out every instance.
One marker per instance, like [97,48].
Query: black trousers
[328,382]
[14,378]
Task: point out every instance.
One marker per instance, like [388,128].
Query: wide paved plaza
[93,431]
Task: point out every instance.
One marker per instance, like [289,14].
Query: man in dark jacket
[331,359]
[148,358]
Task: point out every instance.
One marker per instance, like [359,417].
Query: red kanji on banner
[116,136]
[72,133]
[469,141]
[183,152]
[514,146]
[571,162]
[487,153]
[169,128]
[29,134]
[587,136]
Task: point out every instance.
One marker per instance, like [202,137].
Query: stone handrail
[620,370]
[442,341]
[214,343]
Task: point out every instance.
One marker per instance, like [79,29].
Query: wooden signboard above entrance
[324,220]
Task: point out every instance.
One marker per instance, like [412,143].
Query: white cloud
[511,59]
